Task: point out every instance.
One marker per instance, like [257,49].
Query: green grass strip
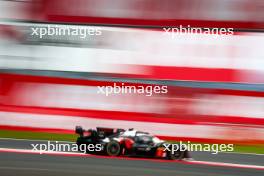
[37,135]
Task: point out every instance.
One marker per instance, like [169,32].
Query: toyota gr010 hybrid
[116,142]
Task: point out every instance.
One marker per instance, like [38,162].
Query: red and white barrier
[37,102]
[203,13]
[162,55]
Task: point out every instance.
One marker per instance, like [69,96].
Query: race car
[116,142]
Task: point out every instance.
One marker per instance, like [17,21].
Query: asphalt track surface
[21,164]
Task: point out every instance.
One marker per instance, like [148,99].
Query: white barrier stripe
[228,164]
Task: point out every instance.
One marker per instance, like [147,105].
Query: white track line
[82,154]
[240,153]
[228,164]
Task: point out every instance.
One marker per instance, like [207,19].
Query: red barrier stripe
[11,78]
[209,141]
[201,74]
[153,22]
[196,74]
[134,116]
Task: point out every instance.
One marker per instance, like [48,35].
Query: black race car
[115,142]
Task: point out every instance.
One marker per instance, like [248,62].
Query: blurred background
[215,83]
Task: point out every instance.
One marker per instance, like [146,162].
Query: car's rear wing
[79,130]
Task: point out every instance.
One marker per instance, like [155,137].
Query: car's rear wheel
[81,147]
[113,148]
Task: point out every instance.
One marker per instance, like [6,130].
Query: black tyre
[113,148]
[176,155]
